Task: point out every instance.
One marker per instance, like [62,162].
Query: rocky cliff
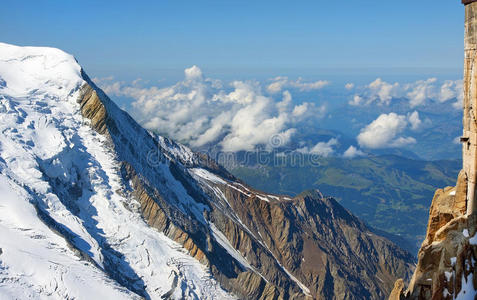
[448,255]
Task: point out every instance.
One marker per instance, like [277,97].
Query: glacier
[49,155]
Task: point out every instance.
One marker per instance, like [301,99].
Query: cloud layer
[199,110]
[280,83]
[241,115]
[418,93]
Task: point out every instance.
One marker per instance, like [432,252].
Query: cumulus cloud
[281,82]
[193,73]
[301,109]
[357,100]
[349,86]
[324,149]
[414,120]
[456,90]
[382,91]
[352,152]
[418,92]
[384,132]
[277,85]
[200,110]
[451,89]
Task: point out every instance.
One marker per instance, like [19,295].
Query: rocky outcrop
[258,246]
[93,109]
[397,290]
[448,255]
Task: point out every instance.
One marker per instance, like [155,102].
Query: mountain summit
[94,206]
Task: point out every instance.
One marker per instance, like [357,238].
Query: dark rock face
[258,246]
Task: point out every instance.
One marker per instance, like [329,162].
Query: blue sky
[244,38]
[355,59]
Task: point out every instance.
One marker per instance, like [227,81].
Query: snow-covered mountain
[67,229]
[92,205]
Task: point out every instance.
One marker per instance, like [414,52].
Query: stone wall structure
[469,138]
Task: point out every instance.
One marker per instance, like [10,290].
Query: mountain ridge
[380,190]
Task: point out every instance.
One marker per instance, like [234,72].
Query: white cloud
[309,86]
[452,89]
[349,86]
[200,110]
[403,141]
[418,92]
[137,81]
[277,85]
[280,83]
[299,110]
[414,120]
[324,149]
[352,152]
[382,91]
[357,100]
[447,92]
[384,132]
[193,73]
[458,89]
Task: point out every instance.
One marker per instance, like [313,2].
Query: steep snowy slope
[52,161]
[97,204]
